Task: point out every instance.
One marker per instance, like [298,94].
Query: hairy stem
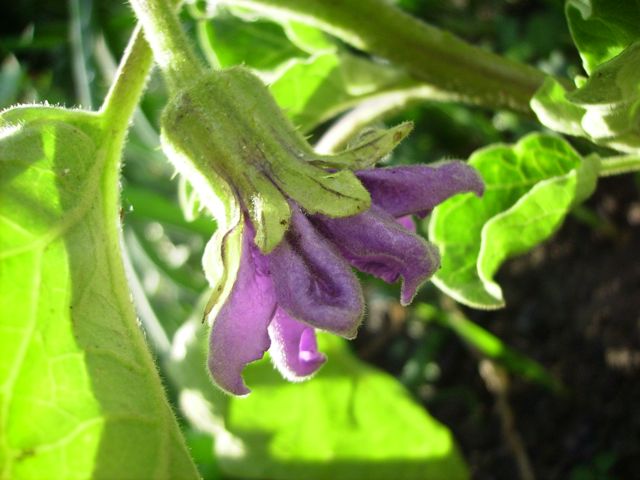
[129,82]
[170,46]
[434,56]
[619,164]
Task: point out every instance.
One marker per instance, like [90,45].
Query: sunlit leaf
[529,189]
[79,393]
[307,38]
[313,90]
[606,109]
[350,421]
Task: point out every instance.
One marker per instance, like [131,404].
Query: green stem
[129,82]
[170,46]
[619,164]
[434,56]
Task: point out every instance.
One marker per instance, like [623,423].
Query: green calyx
[228,136]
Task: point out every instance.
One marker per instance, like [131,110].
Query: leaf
[79,393]
[350,421]
[529,189]
[145,204]
[307,38]
[602,29]
[315,89]
[532,219]
[258,44]
[606,109]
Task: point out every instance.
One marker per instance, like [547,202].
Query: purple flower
[306,283]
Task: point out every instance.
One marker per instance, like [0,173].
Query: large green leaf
[602,29]
[606,109]
[529,189]
[314,89]
[349,421]
[79,393]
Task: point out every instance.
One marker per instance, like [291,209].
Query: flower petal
[239,332]
[407,222]
[313,282]
[417,189]
[376,243]
[294,349]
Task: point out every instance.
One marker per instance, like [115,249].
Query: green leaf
[79,393]
[606,109]
[146,204]
[349,421]
[555,111]
[306,37]
[315,89]
[529,189]
[602,29]
[259,44]
[532,219]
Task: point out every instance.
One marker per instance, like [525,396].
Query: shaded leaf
[259,44]
[529,189]
[602,29]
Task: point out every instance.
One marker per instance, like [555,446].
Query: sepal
[220,263]
[369,148]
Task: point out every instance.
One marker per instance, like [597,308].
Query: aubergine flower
[306,283]
[292,223]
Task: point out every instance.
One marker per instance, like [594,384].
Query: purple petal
[239,332]
[407,222]
[294,349]
[417,189]
[376,243]
[313,282]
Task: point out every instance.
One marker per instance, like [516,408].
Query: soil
[574,306]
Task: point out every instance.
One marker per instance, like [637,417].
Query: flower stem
[171,49]
[129,82]
[619,164]
[436,57]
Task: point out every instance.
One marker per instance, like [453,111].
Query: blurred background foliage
[353,420]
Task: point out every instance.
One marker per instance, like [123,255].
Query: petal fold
[417,189]
[239,332]
[313,282]
[376,243]
[294,348]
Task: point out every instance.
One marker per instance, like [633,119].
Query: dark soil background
[574,306]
